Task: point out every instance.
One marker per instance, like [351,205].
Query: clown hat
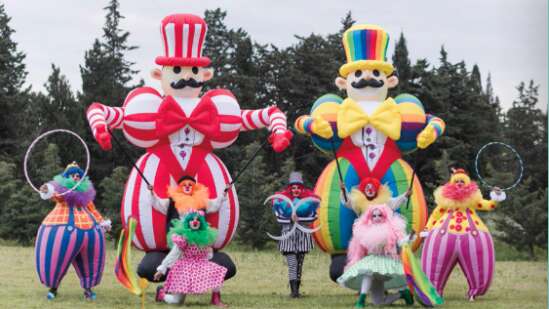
[295,178]
[183,38]
[459,174]
[366,48]
[72,169]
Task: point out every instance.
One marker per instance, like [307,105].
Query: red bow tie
[171,117]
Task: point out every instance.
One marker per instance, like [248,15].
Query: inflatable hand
[426,137]
[103,138]
[322,128]
[280,141]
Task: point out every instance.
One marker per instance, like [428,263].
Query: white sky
[507,38]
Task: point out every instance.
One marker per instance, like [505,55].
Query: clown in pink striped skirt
[455,234]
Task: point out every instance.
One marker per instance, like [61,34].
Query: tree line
[260,75]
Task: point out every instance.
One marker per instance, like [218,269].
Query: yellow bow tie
[386,118]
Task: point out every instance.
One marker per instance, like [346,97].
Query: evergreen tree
[402,64]
[522,219]
[13,95]
[105,76]
[526,131]
[112,188]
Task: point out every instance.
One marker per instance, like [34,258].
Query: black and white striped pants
[295,265]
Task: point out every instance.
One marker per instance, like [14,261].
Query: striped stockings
[295,265]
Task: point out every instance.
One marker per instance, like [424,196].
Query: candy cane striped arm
[270,117]
[100,115]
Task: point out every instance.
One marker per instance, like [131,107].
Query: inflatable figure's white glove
[424,234]
[106,225]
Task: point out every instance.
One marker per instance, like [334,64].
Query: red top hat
[183,37]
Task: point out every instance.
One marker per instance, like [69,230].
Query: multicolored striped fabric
[365,42]
[366,48]
[418,283]
[59,246]
[337,220]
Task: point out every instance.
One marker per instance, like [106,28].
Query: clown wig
[203,236]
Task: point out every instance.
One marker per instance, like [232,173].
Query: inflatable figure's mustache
[182,83]
[368,83]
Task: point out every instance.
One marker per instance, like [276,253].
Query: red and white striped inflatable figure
[179,130]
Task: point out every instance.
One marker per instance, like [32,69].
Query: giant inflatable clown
[179,131]
[368,133]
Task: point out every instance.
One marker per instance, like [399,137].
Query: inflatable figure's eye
[195,70]
[358,73]
[176,70]
[376,73]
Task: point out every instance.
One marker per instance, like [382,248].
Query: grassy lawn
[261,282]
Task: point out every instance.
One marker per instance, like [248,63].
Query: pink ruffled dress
[193,273]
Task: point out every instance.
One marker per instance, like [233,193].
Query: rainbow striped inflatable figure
[368,133]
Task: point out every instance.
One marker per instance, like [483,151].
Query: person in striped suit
[368,133]
[72,233]
[297,245]
[179,131]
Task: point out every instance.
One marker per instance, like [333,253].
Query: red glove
[280,141]
[103,138]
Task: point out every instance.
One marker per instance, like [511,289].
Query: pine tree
[112,189]
[525,130]
[522,219]
[402,64]
[13,95]
[106,74]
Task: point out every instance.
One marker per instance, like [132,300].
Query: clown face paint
[377,216]
[296,190]
[75,177]
[370,191]
[194,224]
[187,186]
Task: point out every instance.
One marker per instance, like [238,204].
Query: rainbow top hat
[366,48]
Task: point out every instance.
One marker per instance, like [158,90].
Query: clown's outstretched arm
[496,196]
[215,204]
[99,117]
[433,129]
[272,118]
[308,125]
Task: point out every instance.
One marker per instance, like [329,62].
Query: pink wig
[376,238]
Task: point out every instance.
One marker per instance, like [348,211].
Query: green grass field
[260,283]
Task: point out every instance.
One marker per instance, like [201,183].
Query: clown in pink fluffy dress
[373,262]
[190,271]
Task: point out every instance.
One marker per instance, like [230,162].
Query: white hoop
[517,180]
[27,154]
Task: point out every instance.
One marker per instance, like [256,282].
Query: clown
[371,192]
[190,271]
[72,233]
[373,263]
[456,234]
[179,131]
[299,243]
[368,133]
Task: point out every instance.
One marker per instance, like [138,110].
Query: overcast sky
[507,38]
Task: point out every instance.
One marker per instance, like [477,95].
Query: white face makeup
[377,216]
[296,190]
[75,177]
[370,191]
[184,82]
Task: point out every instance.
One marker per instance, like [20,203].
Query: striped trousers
[59,246]
[473,251]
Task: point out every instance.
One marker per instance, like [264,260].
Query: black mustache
[182,83]
[368,83]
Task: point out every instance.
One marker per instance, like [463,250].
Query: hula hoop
[517,181]
[49,133]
